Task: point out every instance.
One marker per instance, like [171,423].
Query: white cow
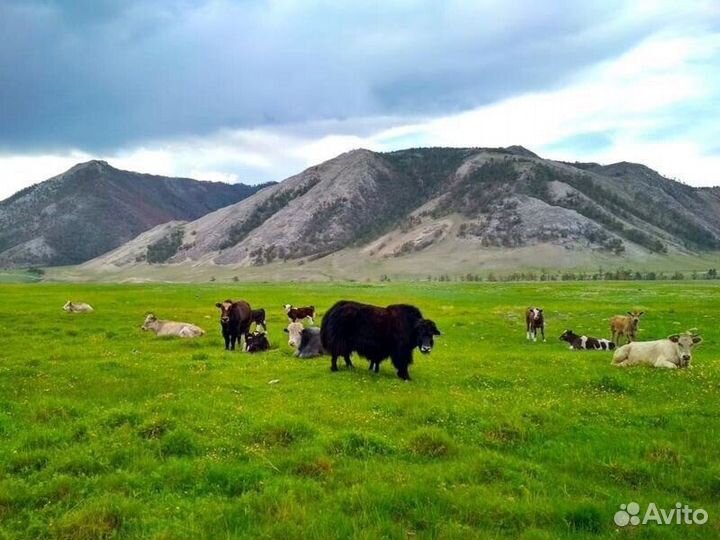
[171,328]
[673,352]
[77,307]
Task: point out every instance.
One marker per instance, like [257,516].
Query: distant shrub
[161,250]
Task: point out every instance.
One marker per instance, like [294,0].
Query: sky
[252,91]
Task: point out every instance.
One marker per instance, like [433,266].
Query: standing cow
[625,325]
[534,321]
[673,352]
[376,333]
[235,319]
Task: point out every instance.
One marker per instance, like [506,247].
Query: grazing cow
[376,333]
[294,331]
[673,352]
[235,318]
[171,328]
[588,343]
[77,307]
[258,317]
[299,313]
[625,325]
[310,343]
[256,342]
[534,321]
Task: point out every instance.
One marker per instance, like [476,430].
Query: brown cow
[235,319]
[299,313]
[625,325]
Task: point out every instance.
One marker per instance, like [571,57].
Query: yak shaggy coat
[376,333]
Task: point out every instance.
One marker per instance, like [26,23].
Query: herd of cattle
[377,333]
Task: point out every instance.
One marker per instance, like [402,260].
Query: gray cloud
[99,75]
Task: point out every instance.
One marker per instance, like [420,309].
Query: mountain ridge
[400,203]
[93,208]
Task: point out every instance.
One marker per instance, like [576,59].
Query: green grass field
[109,432]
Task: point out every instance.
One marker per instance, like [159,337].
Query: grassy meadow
[109,432]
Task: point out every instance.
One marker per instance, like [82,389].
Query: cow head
[287,307]
[68,305]
[150,319]
[425,331]
[568,335]
[294,332]
[224,310]
[535,313]
[684,344]
[635,318]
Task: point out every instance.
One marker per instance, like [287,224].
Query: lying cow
[256,342]
[376,333]
[171,328]
[77,307]
[235,318]
[673,352]
[306,340]
[257,316]
[625,326]
[586,343]
[296,314]
[534,321]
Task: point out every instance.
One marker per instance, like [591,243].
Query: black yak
[235,319]
[376,333]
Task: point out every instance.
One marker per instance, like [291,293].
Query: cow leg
[226,337]
[542,331]
[377,367]
[333,363]
[348,363]
[662,363]
[533,332]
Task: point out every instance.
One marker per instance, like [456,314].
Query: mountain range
[469,200]
[420,204]
[93,208]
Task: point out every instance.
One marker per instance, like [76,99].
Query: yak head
[425,331]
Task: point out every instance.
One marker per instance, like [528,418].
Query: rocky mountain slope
[93,208]
[402,203]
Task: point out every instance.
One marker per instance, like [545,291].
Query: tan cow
[171,328]
[673,352]
[77,307]
[625,325]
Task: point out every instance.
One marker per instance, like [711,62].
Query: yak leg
[333,363]
[348,362]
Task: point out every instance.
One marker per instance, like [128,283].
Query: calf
[299,313]
[171,328]
[310,343]
[625,325]
[258,317]
[256,342]
[588,343]
[77,307]
[534,321]
[672,353]
[235,318]
[376,333]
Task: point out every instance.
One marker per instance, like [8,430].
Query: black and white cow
[586,343]
[534,321]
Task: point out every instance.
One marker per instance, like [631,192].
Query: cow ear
[630,313]
[641,314]
[219,305]
[540,310]
[286,330]
[674,338]
[697,340]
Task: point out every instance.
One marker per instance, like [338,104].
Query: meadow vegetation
[109,432]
